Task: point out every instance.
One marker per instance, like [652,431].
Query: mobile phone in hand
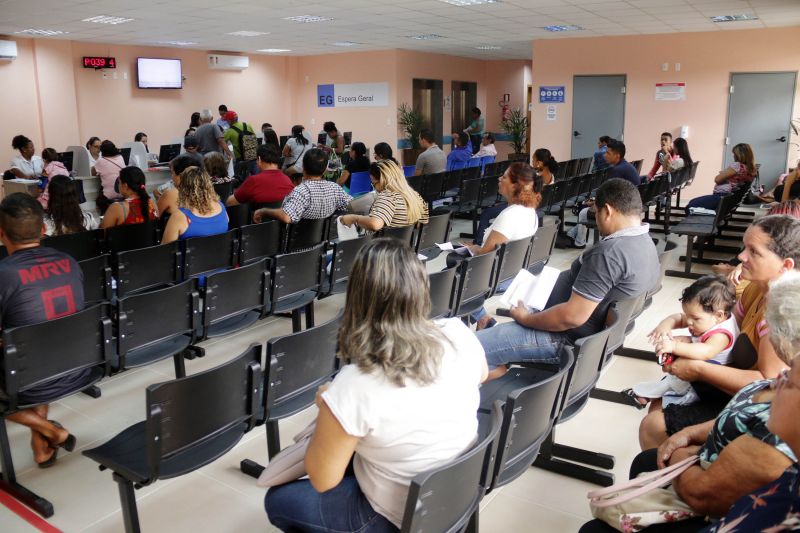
[501,311]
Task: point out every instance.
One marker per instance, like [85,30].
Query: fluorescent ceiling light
[177,43]
[273,50]
[487,47]
[345,43]
[463,3]
[104,19]
[247,33]
[307,18]
[733,18]
[425,37]
[42,33]
[568,27]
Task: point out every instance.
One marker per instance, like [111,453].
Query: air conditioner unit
[223,62]
[8,50]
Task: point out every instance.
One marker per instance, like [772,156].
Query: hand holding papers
[534,291]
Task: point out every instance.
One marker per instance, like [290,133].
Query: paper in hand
[346,233]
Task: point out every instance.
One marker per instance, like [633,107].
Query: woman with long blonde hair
[404,401]
[396,205]
[200,211]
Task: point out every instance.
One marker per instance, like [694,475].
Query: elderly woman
[396,205]
[771,248]
[753,443]
[395,357]
[776,505]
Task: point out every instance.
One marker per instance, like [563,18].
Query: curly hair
[215,165]
[385,327]
[527,185]
[196,192]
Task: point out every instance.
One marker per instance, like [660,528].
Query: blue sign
[551,95]
[325,96]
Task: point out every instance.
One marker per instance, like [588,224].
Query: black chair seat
[430,253]
[127,453]
[233,324]
[152,353]
[295,301]
[95,375]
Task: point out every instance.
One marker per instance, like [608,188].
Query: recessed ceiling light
[247,33]
[42,33]
[487,47]
[104,19]
[307,18]
[273,50]
[345,43]
[733,18]
[469,2]
[177,43]
[425,36]
[568,27]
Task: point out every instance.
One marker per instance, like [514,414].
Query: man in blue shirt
[461,153]
[615,157]
[600,154]
[222,123]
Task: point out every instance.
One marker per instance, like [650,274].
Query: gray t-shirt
[207,137]
[622,265]
[431,161]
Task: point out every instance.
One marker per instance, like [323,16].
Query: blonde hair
[385,327]
[391,177]
[743,153]
[195,191]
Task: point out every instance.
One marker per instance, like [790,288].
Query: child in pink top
[52,167]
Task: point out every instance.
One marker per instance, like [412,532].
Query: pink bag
[633,505]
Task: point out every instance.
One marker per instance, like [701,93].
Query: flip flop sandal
[69,443]
[50,462]
[636,400]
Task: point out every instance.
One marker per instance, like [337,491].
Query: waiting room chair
[257,241]
[447,498]
[84,343]
[235,299]
[343,256]
[154,325]
[476,283]
[511,259]
[403,233]
[96,280]
[408,170]
[224,190]
[360,183]
[202,255]
[542,247]
[306,233]
[442,285]
[191,422]
[296,366]
[437,230]
[81,246]
[131,237]
[147,268]
[239,215]
[296,279]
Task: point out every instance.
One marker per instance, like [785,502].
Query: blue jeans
[710,201]
[297,506]
[512,343]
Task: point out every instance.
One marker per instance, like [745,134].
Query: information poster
[670,92]
[353,95]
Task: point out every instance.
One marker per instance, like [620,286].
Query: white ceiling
[381,24]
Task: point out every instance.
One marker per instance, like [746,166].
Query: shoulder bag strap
[641,485]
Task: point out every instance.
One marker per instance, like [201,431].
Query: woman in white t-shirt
[297,145]
[27,164]
[406,402]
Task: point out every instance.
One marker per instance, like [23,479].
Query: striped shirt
[391,208]
[315,199]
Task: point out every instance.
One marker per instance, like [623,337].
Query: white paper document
[533,290]
[346,233]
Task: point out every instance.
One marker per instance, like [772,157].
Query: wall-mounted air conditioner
[8,50]
[223,62]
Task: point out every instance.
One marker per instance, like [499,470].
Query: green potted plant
[410,122]
[516,127]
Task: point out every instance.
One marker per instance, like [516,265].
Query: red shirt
[267,186]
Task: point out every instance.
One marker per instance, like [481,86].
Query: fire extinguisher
[505,110]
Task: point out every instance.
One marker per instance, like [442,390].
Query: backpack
[248,143]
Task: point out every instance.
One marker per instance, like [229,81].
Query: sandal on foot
[69,442]
[50,462]
[636,399]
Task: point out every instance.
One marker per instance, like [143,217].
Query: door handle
[576,133]
[782,139]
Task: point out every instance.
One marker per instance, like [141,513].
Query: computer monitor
[126,155]
[321,138]
[284,139]
[168,152]
[66,159]
[348,138]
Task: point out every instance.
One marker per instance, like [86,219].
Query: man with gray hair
[209,136]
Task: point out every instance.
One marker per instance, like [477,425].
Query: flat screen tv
[159,73]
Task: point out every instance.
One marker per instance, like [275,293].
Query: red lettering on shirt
[44,271]
[58,302]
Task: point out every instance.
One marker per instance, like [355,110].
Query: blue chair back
[409,170]
[474,162]
[360,183]
[456,165]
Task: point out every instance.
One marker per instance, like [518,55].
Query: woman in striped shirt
[396,205]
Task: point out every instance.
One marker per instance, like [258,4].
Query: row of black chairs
[573,167]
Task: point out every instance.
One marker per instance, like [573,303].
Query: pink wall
[20,102]
[707,61]
[504,77]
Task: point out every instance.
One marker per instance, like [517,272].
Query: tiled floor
[220,498]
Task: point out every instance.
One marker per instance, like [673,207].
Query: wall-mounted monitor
[159,73]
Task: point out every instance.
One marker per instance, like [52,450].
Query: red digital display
[99,62]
